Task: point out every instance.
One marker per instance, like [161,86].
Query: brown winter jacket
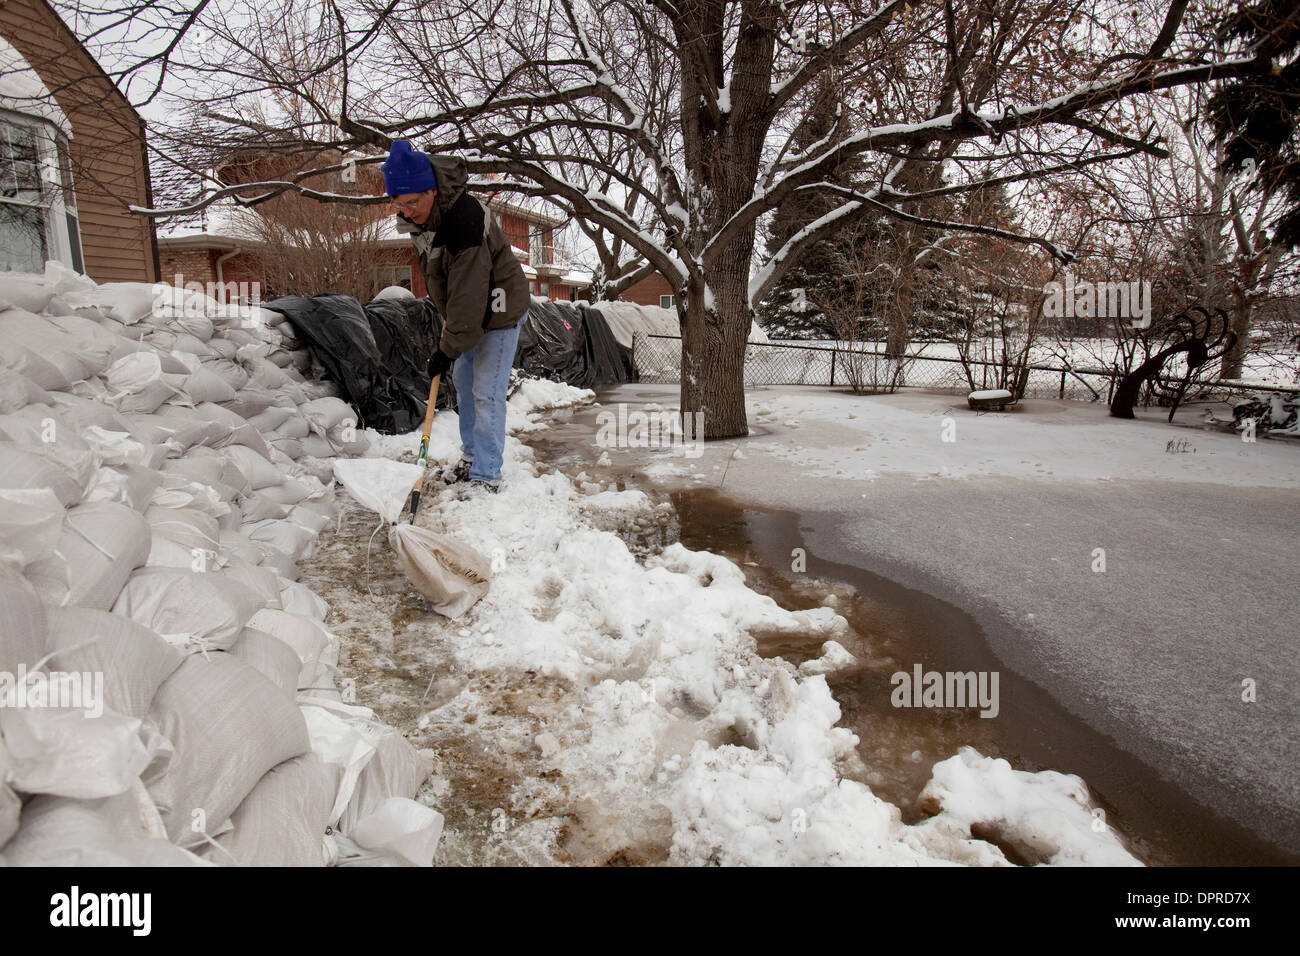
[472,275]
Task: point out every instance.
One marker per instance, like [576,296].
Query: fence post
[1062,383]
[834,352]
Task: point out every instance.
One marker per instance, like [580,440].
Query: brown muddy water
[894,628]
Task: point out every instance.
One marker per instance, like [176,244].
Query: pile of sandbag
[167,685]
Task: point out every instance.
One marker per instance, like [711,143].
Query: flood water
[895,627]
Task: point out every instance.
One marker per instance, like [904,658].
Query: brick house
[652,290]
[215,253]
[71,161]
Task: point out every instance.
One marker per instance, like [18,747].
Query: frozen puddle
[603,705]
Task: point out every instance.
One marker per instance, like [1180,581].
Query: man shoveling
[478,286]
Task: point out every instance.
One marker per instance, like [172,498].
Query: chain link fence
[657,359]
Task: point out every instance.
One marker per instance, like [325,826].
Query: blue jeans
[481,377]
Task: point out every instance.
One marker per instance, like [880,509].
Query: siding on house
[648,290]
[109,164]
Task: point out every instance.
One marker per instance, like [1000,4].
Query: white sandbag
[290,491]
[229,371]
[259,472]
[133,660]
[84,751]
[284,564]
[25,290]
[166,553]
[188,527]
[119,448]
[250,400]
[137,383]
[282,821]
[297,598]
[82,413]
[346,440]
[229,725]
[379,484]
[314,446]
[396,770]
[206,386]
[257,507]
[450,573]
[242,433]
[236,544]
[101,544]
[22,636]
[177,491]
[32,346]
[401,828]
[271,657]
[232,519]
[273,417]
[262,580]
[31,523]
[56,831]
[41,424]
[26,467]
[201,610]
[293,427]
[18,391]
[290,448]
[127,302]
[308,638]
[96,341]
[195,345]
[325,414]
[223,349]
[130,485]
[312,520]
[285,536]
[342,743]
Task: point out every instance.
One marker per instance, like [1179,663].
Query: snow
[666,718]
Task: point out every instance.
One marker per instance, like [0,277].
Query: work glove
[439,364]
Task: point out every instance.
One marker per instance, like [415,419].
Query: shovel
[452,575]
[423,458]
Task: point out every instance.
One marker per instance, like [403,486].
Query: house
[72,156]
[223,254]
[654,289]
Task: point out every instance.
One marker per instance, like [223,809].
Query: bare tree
[998,91]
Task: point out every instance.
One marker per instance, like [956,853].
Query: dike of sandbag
[168,688]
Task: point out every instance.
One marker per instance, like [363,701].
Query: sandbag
[205,610]
[188,527]
[282,821]
[379,484]
[259,472]
[56,831]
[400,828]
[31,522]
[258,508]
[18,391]
[101,544]
[133,660]
[83,751]
[130,485]
[23,624]
[271,657]
[309,640]
[297,598]
[262,580]
[24,467]
[33,347]
[396,770]
[127,302]
[451,574]
[207,386]
[285,536]
[229,725]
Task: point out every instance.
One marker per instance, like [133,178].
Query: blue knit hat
[407,170]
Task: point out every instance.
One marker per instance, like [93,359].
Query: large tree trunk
[713,349]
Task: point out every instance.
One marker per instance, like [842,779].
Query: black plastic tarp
[571,344]
[378,354]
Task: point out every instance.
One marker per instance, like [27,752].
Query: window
[665,302]
[393,275]
[38,211]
